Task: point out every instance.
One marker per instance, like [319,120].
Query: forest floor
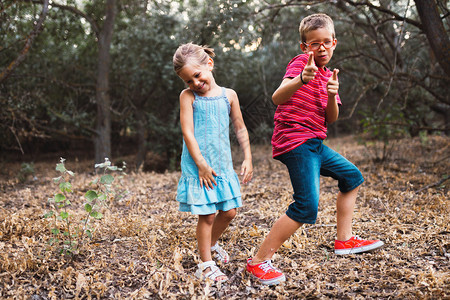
[143,248]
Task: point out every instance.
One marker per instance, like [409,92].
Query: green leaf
[59,198]
[65,187]
[112,168]
[55,231]
[91,195]
[70,173]
[107,179]
[49,214]
[64,215]
[88,207]
[96,215]
[89,233]
[60,168]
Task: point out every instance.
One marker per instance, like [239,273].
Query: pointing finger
[310,59]
[335,72]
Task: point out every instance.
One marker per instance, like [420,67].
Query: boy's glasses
[316,46]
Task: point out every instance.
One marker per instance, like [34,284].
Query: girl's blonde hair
[191,53]
[314,22]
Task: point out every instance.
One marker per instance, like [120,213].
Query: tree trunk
[435,32]
[142,137]
[102,139]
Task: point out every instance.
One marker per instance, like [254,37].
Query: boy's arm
[290,85]
[332,110]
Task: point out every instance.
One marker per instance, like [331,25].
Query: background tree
[394,82]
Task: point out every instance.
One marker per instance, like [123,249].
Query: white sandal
[220,254]
[213,274]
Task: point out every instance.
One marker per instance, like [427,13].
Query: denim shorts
[305,164]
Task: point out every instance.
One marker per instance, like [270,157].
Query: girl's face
[198,78]
[324,38]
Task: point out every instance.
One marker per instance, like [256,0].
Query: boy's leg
[349,178]
[283,228]
[345,206]
[303,164]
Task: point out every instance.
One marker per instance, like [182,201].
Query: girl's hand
[333,84]
[206,176]
[247,171]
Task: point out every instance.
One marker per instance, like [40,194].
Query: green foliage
[68,229]
[383,61]
[380,133]
[26,170]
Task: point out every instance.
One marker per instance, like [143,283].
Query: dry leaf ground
[145,249]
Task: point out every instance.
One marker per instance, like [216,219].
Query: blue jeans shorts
[305,164]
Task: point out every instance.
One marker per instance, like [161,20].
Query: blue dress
[211,130]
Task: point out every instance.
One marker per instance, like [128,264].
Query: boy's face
[317,41]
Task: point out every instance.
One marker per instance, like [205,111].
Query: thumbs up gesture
[309,72]
[333,84]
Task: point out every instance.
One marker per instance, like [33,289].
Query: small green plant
[69,231]
[26,170]
[381,133]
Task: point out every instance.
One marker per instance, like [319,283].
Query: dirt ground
[143,248]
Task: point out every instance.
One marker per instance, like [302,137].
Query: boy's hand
[206,176]
[309,72]
[247,170]
[333,84]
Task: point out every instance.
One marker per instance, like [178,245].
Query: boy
[308,100]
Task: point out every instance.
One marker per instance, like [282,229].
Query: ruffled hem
[189,191]
[207,209]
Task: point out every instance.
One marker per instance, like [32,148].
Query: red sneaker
[356,245]
[265,272]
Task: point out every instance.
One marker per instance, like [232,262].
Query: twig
[433,184]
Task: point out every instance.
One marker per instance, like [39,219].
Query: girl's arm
[242,136]
[205,172]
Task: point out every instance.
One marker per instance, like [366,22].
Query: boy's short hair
[313,22]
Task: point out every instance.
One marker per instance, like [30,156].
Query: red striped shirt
[303,116]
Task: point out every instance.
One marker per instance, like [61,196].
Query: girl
[208,183]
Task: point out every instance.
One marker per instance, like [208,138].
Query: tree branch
[72,9]
[36,30]
[386,11]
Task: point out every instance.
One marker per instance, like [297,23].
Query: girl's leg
[283,228]
[204,229]
[345,205]
[221,222]
[204,232]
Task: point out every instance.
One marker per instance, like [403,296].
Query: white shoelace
[267,266]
